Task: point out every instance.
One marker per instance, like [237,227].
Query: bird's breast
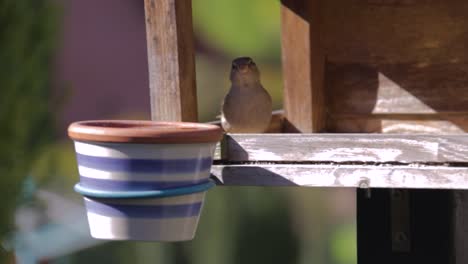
[247,110]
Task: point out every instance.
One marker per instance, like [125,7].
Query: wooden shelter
[393,71]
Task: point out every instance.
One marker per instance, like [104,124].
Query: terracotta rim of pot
[133,131]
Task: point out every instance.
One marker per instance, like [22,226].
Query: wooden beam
[303,66]
[171,60]
[399,124]
[395,31]
[345,148]
[344,160]
[399,88]
[337,175]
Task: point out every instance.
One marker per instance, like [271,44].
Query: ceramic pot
[143,175]
[170,215]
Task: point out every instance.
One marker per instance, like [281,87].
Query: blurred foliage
[239,27]
[27,42]
[57,159]
[343,247]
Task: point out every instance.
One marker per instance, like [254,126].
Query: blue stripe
[143,211]
[144,194]
[116,185]
[144,165]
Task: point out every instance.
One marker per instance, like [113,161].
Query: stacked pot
[144,180]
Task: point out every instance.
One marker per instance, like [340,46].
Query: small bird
[247,106]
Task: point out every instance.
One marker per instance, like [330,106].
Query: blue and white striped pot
[142,167]
[123,161]
[161,219]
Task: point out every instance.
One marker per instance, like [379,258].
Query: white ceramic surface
[154,219]
[133,167]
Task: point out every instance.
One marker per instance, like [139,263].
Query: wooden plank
[303,66]
[336,175]
[411,88]
[399,124]
[395,31]
[171,60]
[345,148]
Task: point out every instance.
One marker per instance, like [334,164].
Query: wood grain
[412,88]
[171,60]
[353,176]
[399,124]
[303,66]
[395,31]
[345,148]
[396,66]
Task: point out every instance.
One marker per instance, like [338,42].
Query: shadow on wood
[249,176]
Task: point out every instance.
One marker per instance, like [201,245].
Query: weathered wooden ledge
[343,160]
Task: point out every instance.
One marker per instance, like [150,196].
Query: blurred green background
[43,221]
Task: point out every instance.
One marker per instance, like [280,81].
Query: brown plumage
[247,106]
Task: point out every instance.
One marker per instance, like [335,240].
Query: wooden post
[303,66]
[171,60]
[171,63]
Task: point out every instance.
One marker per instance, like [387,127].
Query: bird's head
[244,70]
